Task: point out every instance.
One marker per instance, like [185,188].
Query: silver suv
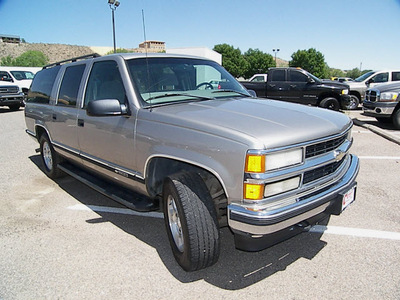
[151,132]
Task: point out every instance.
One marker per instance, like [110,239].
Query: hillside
[55,52]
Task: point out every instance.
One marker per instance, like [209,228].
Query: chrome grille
[8,90]
[320,172]
[324,147]
[372,95]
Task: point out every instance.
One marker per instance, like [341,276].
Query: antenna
[147,61]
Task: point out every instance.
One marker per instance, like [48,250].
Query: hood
[258,123]
[335,84]
[388,87]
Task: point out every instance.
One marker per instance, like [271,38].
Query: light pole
[113,5]
[275,50]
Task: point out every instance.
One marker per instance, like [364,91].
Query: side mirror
[106,107]
[310,80]
[252,93]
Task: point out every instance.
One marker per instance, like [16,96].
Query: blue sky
[349,33]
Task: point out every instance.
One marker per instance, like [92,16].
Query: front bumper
[6,100]
[256,224]
[379,109]
[345,100]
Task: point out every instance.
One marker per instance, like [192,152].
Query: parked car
[382,102]
[11,96]
[299,86]
[21,76]
[343,79]
[359,86]
[151,132]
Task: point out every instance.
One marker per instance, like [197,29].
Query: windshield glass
[164,80]
[21,75]
[364,76]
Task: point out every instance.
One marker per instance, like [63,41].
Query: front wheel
[50,158]
[353,104]
[396,119]
[330,103]
[191,221]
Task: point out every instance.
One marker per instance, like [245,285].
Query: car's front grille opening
[320,172]
[324,147]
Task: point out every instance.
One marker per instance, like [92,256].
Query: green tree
[7,61]
[232,59]
[119,50]
[310,60]
[257,62]
[332,72]
[31,58]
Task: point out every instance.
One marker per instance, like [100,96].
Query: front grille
[320,172]
[8,90]
[324,147]
[372,95]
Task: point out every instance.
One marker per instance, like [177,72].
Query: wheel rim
[175,223]
[47,157]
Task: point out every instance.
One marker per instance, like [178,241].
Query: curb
[378,131]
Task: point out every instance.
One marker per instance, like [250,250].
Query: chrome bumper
[259,223]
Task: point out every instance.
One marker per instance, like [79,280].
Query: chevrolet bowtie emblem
[339,155]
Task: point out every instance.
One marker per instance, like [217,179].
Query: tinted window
[105,82]
[382,77]
[396,76]
[42,84]
[4,76]
[278,75]
[70,85]
[297,76]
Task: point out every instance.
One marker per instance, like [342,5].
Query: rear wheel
[191,221]
[50,158]
[330,103]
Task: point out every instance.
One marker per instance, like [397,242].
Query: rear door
[63,125]
[277,85]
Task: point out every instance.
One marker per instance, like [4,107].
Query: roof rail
[93,55]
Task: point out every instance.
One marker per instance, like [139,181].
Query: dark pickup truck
[297,85]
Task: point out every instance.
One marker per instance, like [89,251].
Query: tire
[396,119]
[354,102]
[50,158]
[330,103]
[191,221]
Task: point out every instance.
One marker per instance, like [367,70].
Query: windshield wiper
[231,91]
[178,94]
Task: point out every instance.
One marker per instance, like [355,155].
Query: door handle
[293,85]
[81,123]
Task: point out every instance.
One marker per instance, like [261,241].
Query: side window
[42,85]
[278,75]
[70,85]
[258,79]
[4,76]
[105,82]
[297,76]
[382,77]
[395,76]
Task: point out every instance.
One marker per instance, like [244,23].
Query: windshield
[21,75]
[364,76]
[165,80]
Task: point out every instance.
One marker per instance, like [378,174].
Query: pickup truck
[11,96]
[151,132]
[383,103]
[299,86]
[359,86]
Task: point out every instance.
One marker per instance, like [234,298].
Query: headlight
[345,92]
[388,97]
[260,163]
[281,186]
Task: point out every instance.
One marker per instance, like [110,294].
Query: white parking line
[380,157]
[356,232]
[116,210]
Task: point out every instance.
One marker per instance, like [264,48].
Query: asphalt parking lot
[62,240]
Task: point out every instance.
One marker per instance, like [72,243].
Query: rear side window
[70,85]
[396,76]
[278,75]
[42,85]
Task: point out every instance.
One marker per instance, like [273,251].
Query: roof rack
[93,55]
